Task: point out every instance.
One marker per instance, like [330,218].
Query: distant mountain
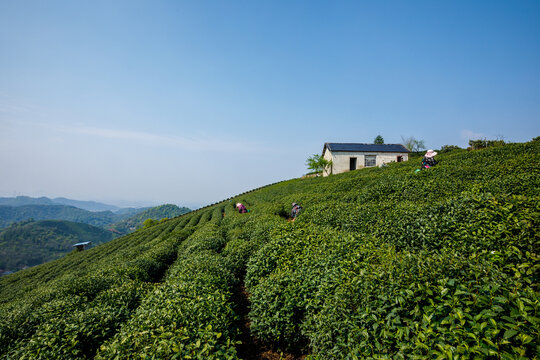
[25,200]
[12,214]
[85,205]
[157,213]
[32,243]
[125,220]
[130,211]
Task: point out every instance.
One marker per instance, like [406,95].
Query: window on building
[352,163]
[370,160]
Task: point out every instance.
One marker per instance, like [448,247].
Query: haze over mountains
[12,214]
[22,208]
[85,205]
[37,230]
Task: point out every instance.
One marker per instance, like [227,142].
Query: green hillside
[86,205]
[121,221]
[381,263]
[12,214]
[130,211]
[31,243]
[156,213]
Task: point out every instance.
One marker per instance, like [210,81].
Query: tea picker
[295,211]
[241,208]
[428,161]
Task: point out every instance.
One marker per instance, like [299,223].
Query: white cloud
[12,106]
[24,115]
[12,109]
[146,138]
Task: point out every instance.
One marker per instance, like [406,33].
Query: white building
[351,156]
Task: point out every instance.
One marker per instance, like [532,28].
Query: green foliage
[31,243]
[382,263]
[378,140]
[484,143]
[413,144]
[12,214]
[157,213]
[61,307]
[149,222]
[448,148]
[194,318]
[121,222]
[316,163]
[83,326]
[408,265]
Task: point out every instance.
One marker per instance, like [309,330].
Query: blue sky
[192,102]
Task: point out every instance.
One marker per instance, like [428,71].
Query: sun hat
[293,204]
[238,204]
[430,153]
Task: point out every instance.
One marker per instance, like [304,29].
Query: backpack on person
[295,210]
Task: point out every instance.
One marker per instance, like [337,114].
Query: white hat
[430,153]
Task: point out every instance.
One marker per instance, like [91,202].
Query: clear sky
[190,102]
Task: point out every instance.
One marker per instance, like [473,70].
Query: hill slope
[156,213]
[382,263]
[32,243]
[25,200]
[122,220]
[12,214]
[86,205]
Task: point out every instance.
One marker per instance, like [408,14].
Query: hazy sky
[190,102]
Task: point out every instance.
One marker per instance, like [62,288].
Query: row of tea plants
[381,263]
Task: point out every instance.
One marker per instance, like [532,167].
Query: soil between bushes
[251,347]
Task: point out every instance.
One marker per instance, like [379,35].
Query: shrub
[448,148]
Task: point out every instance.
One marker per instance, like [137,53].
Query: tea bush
[190,314]
[437,264]
[381,263]
[29,324]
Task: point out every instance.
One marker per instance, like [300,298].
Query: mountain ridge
[13,214]
[43,200]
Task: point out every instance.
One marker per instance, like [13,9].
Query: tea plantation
[383,263]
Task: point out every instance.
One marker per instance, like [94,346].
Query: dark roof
[82,243]
[365,147]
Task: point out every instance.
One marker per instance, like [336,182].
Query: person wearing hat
[241,208]
[429,159]
[295,210]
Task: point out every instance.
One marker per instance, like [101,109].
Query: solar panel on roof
[366,147]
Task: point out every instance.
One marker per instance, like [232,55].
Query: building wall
[328,156]
[341,159]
